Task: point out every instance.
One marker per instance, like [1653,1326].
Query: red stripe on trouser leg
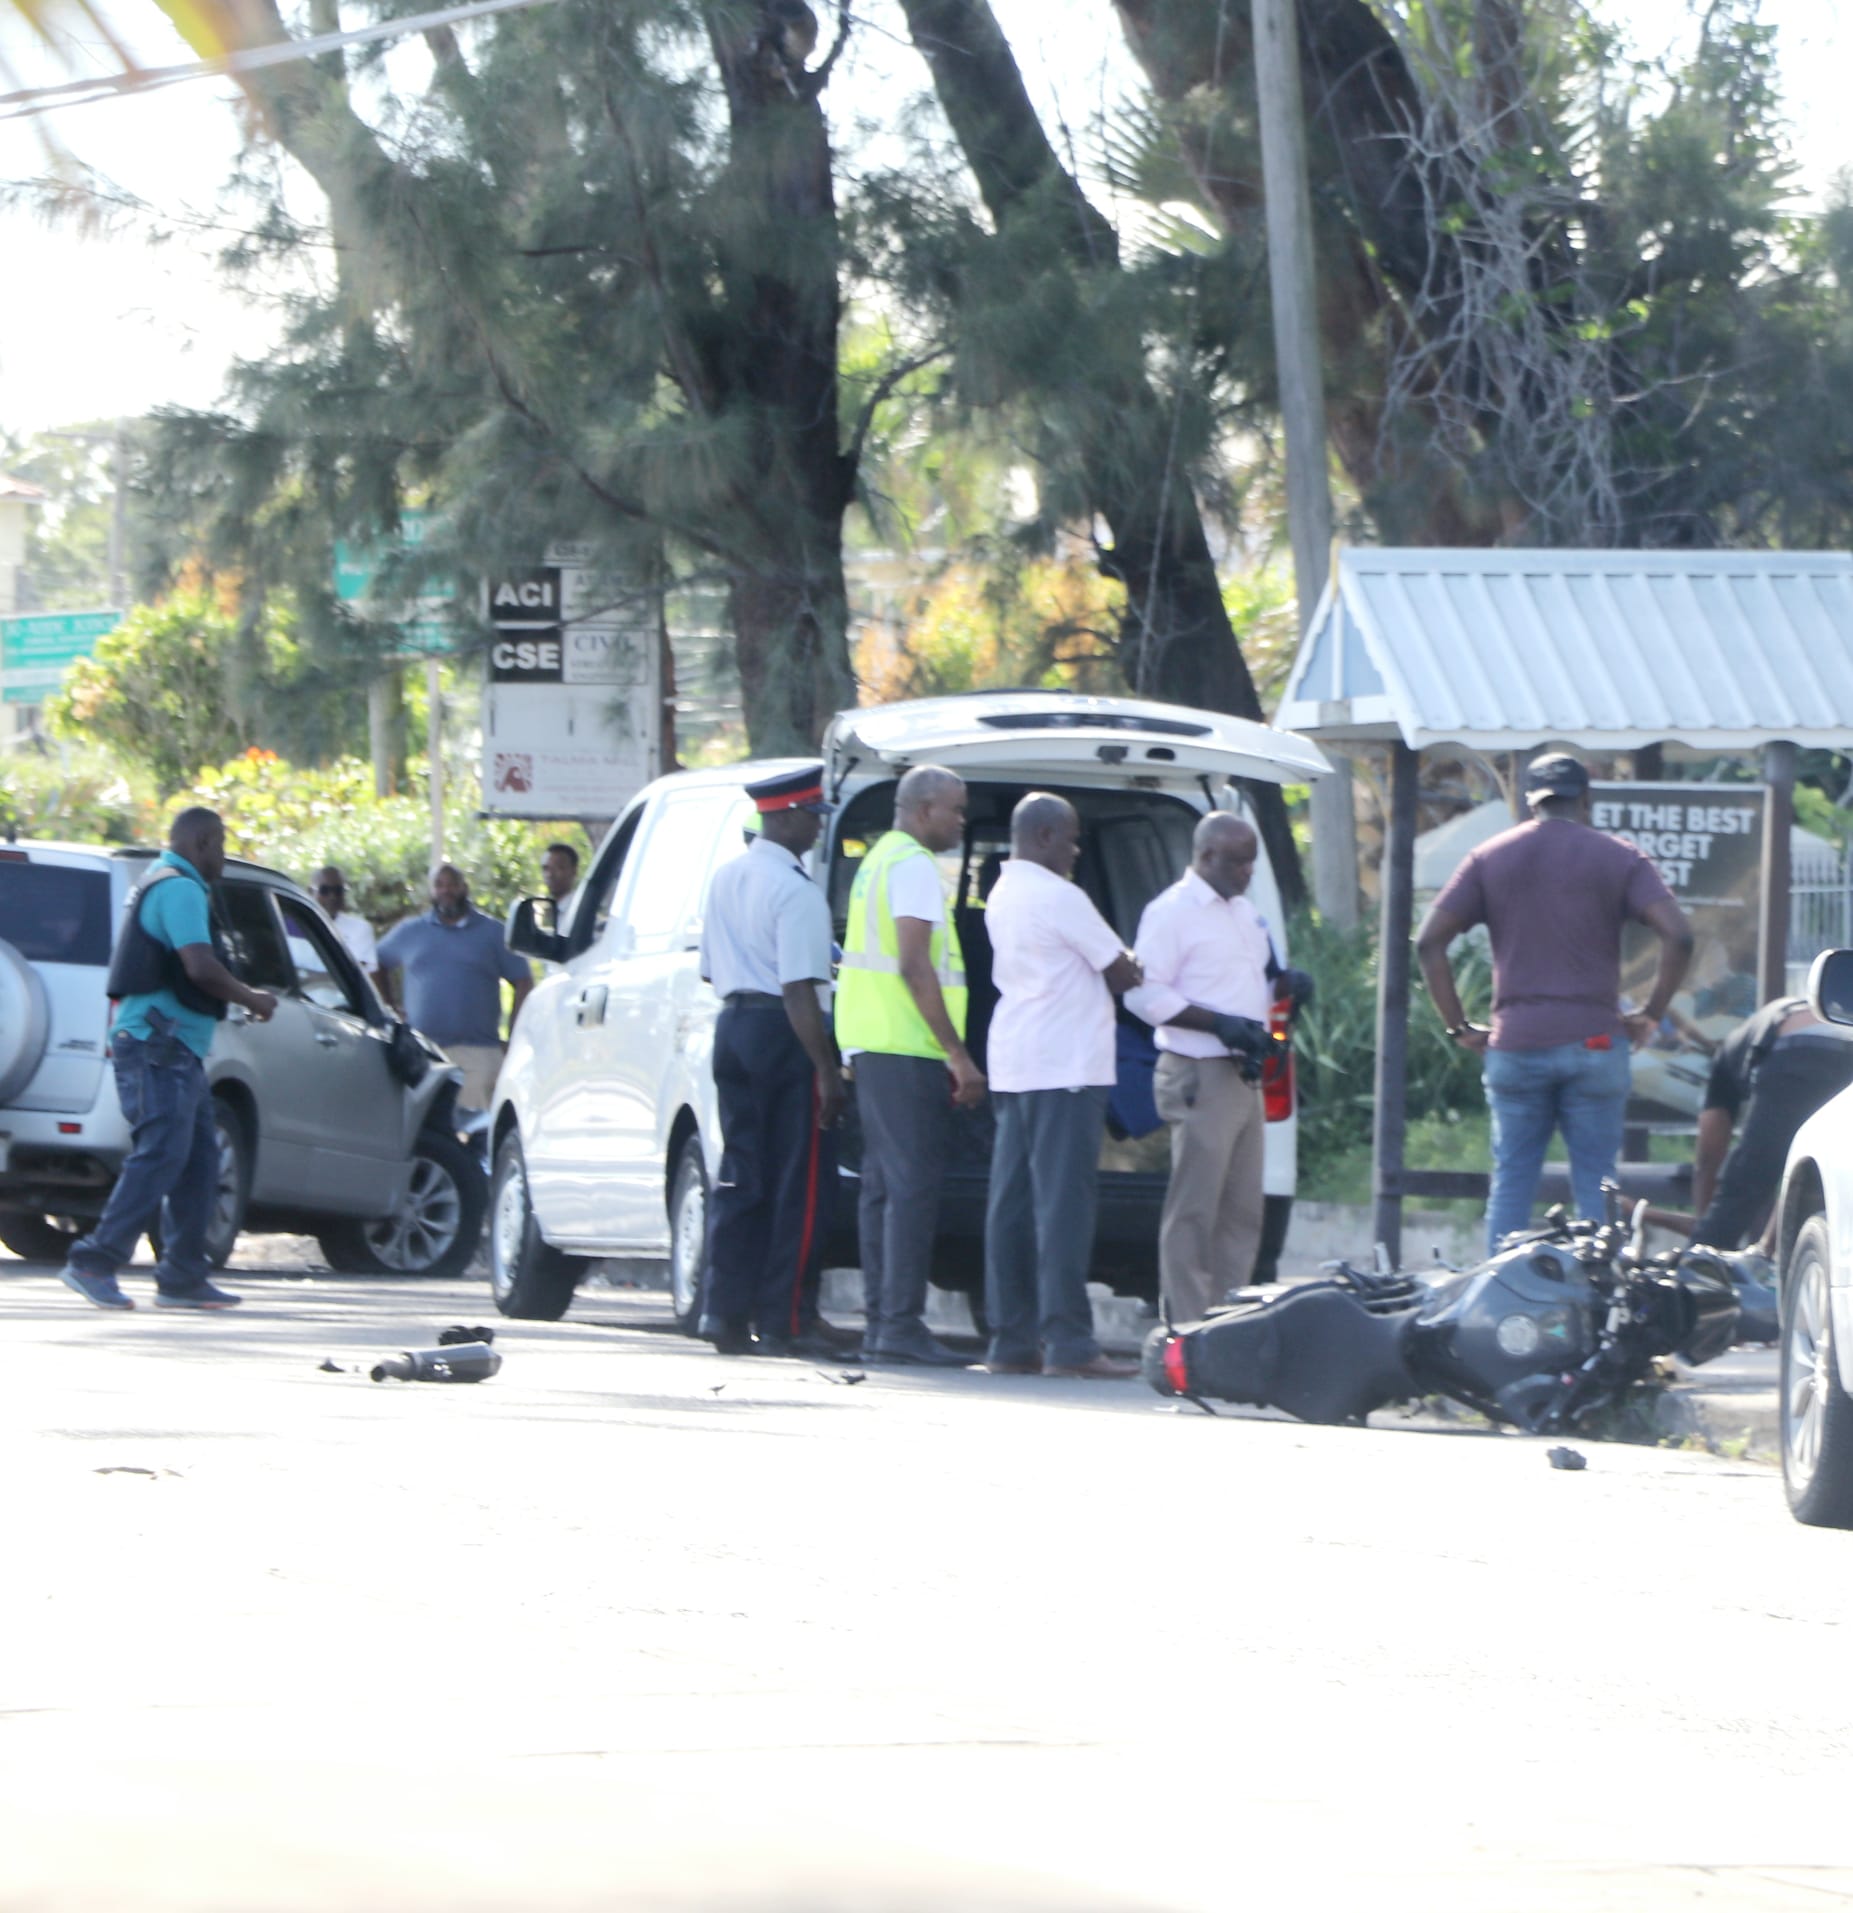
[810,1212]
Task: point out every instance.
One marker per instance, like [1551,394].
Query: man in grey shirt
[446,968]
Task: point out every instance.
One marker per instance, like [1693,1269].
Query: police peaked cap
[802,789]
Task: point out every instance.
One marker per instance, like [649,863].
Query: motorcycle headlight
[1518,1336]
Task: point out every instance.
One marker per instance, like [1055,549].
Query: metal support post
[1393,969]
[1778,822]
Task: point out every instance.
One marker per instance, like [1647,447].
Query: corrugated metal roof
[1608,650]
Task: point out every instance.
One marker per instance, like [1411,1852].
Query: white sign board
[572,705]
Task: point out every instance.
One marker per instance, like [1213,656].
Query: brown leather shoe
[1103,1368]
[1012,1368]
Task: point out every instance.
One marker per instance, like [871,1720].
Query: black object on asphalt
[462,1362]
[1569,1458]
[455,1336]
[329,1366]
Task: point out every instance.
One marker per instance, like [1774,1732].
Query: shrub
[296,820]
[77,794]
[1335,1043]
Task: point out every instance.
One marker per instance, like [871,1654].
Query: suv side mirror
[526,937]
[1830,986]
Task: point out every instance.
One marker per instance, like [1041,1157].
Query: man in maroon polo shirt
[1554,894]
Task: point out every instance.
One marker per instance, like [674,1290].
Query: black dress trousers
[769,1215]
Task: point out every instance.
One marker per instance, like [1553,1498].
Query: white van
[605,1130]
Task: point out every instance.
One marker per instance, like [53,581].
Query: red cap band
[791,799]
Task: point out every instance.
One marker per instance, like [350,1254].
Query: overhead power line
[35,100]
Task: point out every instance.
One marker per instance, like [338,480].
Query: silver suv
[321,1130]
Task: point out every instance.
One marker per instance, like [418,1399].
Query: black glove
[1296,986]
[1246,1040]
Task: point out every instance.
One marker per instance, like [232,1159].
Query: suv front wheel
[530,1281]
[437,1230]
[688,1235]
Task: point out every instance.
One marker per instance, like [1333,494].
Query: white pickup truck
[605,1131]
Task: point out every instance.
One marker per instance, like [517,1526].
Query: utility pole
[1302,406]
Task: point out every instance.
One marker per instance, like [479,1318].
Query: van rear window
[54,913]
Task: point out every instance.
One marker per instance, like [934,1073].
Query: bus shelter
[1616,654]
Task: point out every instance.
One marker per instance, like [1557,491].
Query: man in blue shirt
[450,966]
[171,986]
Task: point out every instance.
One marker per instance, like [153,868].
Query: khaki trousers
[481,1064]
[1211,1228]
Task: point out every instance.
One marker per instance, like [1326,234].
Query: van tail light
[1277,1071]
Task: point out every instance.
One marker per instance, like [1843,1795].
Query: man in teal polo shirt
[170,983]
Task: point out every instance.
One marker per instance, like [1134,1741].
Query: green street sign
[422,621]
[38,647]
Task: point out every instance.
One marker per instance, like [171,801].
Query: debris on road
[329,1366]
[461,1362]
[457,1335]
[1569,1458]
[844,1377]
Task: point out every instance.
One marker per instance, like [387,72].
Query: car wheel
[530,1281]
[228,1204]
[437,1230]
[38,1238]
[1816,1415]
[25,1022]
[688,1235]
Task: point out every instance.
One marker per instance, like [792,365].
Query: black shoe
[728,1337]
[807,1347]
[927,1354]
[841,1341]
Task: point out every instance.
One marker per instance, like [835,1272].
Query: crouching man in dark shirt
[1769,1076]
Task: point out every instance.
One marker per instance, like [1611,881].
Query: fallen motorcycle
[1556,1326]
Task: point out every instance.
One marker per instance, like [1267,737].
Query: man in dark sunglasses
[353,930]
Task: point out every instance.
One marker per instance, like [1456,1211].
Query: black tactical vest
[140,965]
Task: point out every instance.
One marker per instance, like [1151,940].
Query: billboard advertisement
[1707,841]
[572,699]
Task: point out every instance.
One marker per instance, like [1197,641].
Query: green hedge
[1335,1046]
[296,820]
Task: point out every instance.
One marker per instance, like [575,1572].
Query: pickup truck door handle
[589,1005]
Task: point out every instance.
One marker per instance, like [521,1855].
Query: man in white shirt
[1057,964]
[355,932]
[1207,960]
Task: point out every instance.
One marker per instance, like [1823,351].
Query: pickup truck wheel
[1816,1415]
[688,1235]
[37,1238]
[436,1232]
[530,1281]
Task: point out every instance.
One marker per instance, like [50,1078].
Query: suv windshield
[54,913]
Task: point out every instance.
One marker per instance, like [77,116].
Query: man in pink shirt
[1057,964]
[1207,959]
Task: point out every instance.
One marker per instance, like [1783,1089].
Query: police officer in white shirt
[766,948]
[1209,975]
[1057,964]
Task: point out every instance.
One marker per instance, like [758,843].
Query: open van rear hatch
[1049,733]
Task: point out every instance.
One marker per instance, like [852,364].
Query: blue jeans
[161,1085]
[1531,1092]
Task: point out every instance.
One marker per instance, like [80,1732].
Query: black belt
[752,1000]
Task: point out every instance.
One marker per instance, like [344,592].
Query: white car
[1815,1256]
[320,1132]
[606,1136]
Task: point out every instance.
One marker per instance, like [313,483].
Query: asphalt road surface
[632,1625]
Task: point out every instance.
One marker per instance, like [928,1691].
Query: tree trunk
[781,260]
[1177,641]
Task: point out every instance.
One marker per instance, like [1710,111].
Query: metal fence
[1820,916]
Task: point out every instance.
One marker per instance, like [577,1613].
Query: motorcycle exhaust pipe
[466,1362]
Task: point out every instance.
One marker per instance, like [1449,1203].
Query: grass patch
[1432,1142]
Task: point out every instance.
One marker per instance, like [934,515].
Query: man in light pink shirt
[1208,959]
[1056,963]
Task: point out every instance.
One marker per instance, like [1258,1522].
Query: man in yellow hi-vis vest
[900,1022]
